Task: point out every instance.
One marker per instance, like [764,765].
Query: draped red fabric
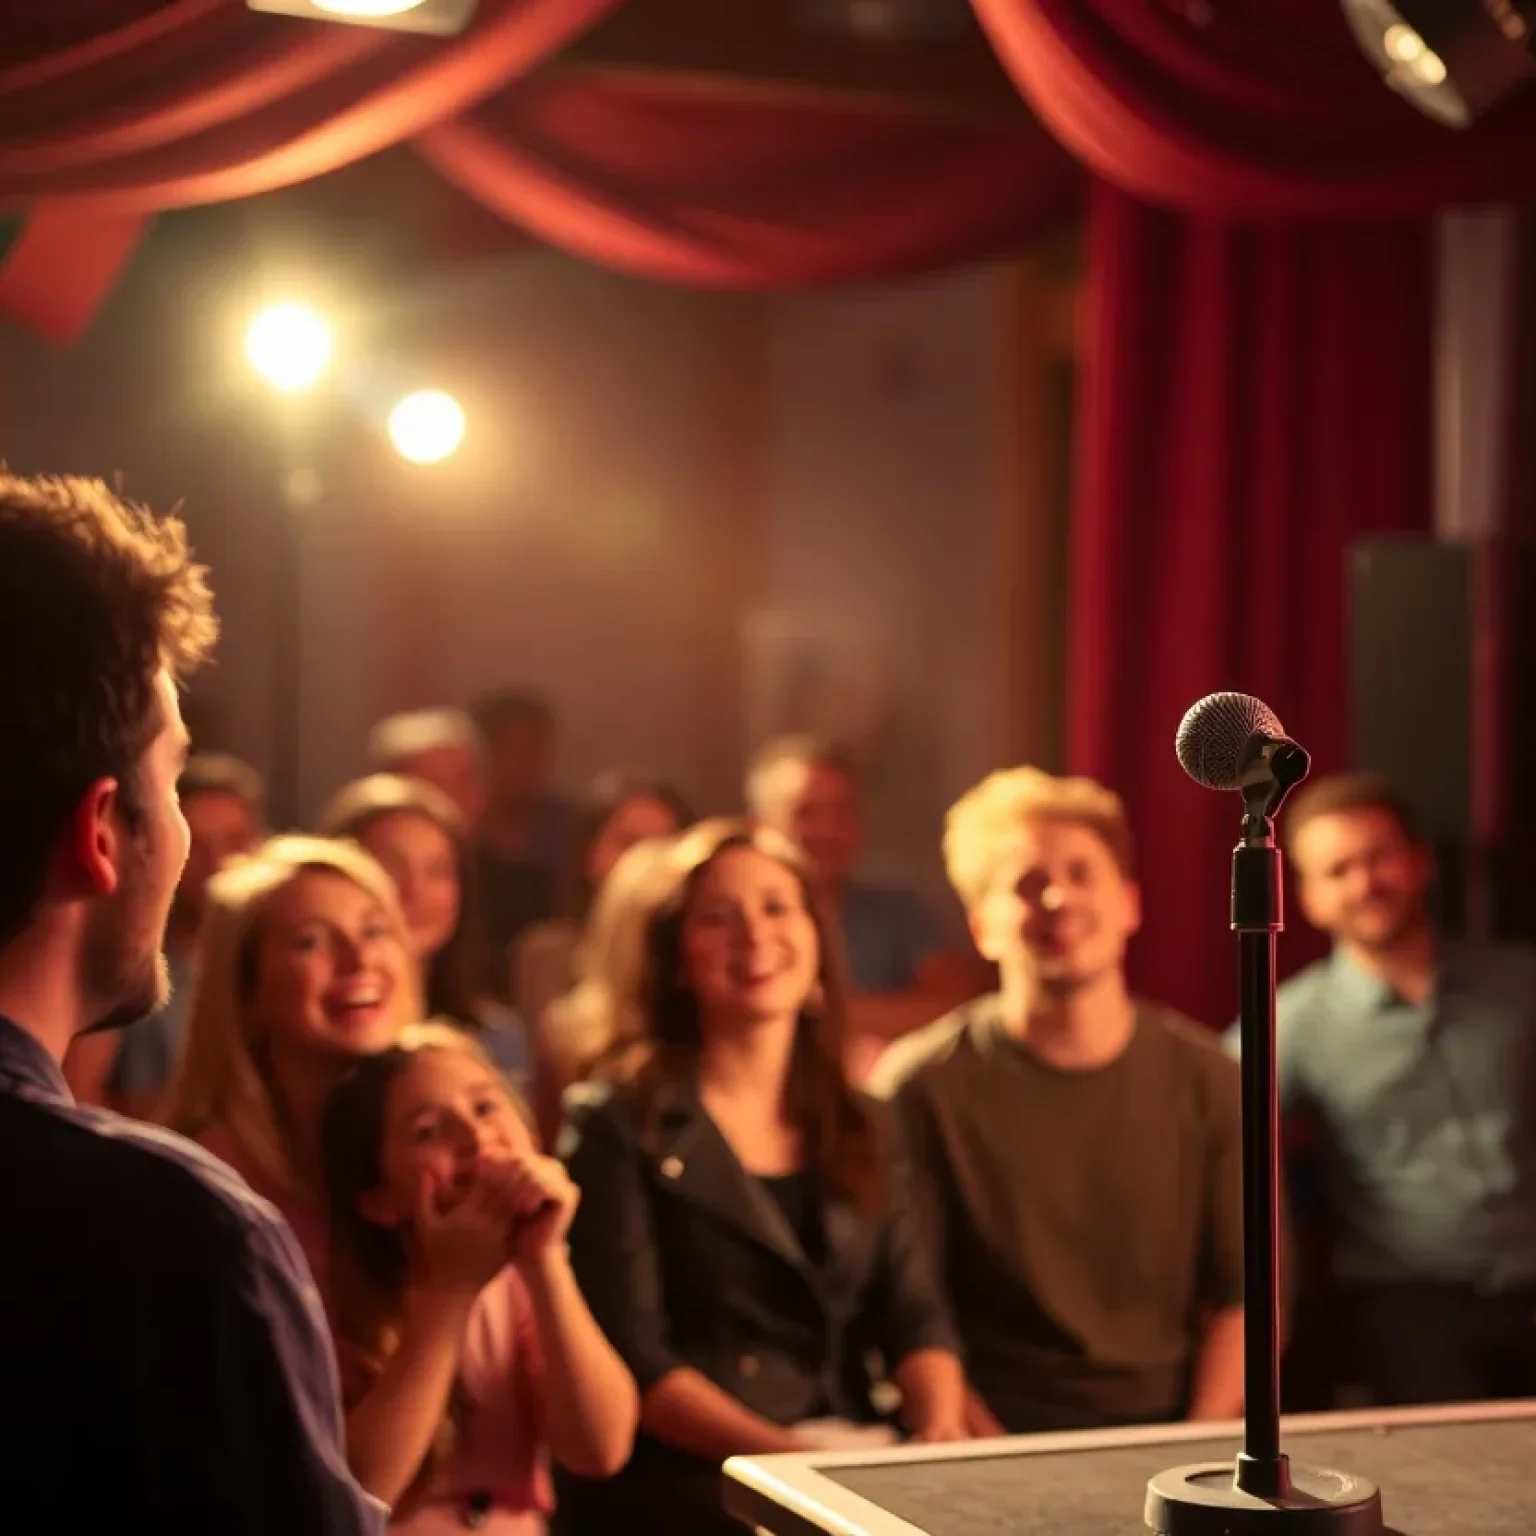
[61,266]
[201,101]
[1252,108]
[1256,400]
[717,186]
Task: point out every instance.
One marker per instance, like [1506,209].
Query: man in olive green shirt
[1077,1151]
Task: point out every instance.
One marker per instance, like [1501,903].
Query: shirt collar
[25,1064]
[1358,989]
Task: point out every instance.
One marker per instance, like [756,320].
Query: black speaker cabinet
[1443,679]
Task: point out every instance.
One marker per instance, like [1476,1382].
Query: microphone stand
[1261,1492]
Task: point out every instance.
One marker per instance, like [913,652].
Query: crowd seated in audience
[743,1252]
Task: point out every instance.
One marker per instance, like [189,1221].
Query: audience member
[221,799]
[441,747]
[164,1361]
[303,968]
[619,812]
[1079,1150]
[460,1367]
[578,1028]
[744,1236]
[1414,1057]
[413,830]
[901,974]
[525,838]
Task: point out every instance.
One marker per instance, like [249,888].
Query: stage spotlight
[426,427]
[1453,59]
[289,345]
[437,18]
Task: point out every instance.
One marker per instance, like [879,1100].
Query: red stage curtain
[1250,108]
[1256,399]
[749,187]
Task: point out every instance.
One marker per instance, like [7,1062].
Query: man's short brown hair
[96,594]
[218,773]
[766,771]
[1337,794]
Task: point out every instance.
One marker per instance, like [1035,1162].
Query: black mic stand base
[1206,1501]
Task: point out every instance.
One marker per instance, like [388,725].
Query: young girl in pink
[468,1354]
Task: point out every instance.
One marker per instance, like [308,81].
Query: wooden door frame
[1046,328]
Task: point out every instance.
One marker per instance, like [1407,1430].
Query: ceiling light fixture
[436,18]
[1452,59]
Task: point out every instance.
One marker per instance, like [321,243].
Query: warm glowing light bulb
[370,10]
[1402,44]
[426,427]
[289,345]
[1429,67]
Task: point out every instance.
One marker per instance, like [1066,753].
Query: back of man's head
[397,739]
[96,596]
[219,773]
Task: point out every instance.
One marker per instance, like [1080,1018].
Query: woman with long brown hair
[468,1354]
[745,1237]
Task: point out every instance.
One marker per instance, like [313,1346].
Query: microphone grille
[1214,732]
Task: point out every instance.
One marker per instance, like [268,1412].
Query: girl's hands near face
[461,1235]
[539,1200]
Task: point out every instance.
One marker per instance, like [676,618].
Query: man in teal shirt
[1415,1058]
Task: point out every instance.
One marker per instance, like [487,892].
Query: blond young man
[1078,1149]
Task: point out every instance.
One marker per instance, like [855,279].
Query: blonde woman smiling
[303,967]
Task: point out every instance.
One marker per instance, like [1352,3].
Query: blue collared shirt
[887,935]
[164,1360]
[1427,1113]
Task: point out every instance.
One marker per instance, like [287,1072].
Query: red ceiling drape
[201,101]
[720,186]
[1248,108]
[1257,398]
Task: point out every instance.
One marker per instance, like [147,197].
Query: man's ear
[95,845]
[1132,908]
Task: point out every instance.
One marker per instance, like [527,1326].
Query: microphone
[1234,741]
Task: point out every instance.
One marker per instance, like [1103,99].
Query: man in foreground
[164,1364]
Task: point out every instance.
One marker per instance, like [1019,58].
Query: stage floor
[1463,1471]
